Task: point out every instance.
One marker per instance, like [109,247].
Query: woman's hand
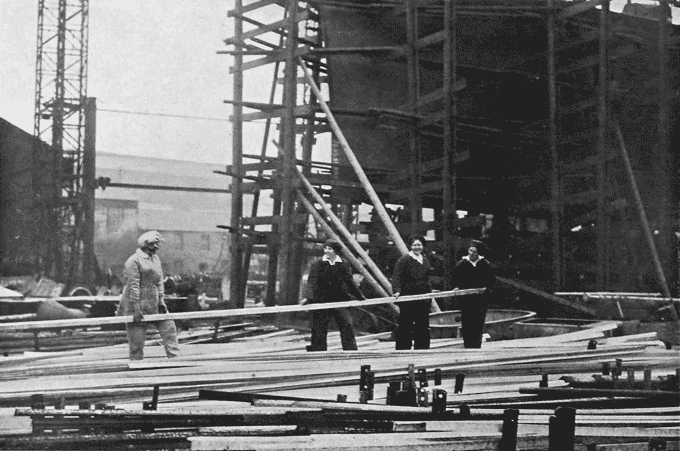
[137,315]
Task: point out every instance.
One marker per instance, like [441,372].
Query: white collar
[418,258]
[474,263]
[332,262]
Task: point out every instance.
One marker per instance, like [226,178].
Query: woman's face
[473,254]
[329,251]
[151,248]
[417,247]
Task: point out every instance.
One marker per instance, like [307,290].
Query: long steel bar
[643,217]
[377,203]
[236,245]
[346,252]
[231,313]
[555,200]
[345,233]
[602,148]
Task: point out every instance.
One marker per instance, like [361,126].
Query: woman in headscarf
[474,271]
[144,295]
[412,276]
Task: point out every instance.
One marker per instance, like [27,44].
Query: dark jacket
[466,275]
[410,277]
[331,283]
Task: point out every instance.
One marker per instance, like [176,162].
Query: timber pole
[377,203]
[248,248]
[668,207]
[413,93]
[555,200]
[346,252]
[236,293]
[602,149]
[287,287]
[449,150]
[387,287]
[643,219]
[89,259]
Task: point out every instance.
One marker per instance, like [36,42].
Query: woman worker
[144,295]
[474,271]
[330,280]
[411,276]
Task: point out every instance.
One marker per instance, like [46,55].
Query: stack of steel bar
[267,392]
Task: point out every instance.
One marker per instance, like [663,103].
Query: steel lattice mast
[59,119]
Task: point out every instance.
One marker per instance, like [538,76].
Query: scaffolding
[579,113]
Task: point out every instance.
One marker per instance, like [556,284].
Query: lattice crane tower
[61,106]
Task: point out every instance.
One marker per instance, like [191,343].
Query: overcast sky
[148,56]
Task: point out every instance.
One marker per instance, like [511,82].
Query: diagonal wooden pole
[643,219]
[346,252]
[377,203]
[345,233]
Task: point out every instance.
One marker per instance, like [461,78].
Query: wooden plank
[607,293]
[217,314]
[271,57]
[264,220]
[251,7]
[389,49]
[578,8]
[261,166]
[300,111]
[547,296]
[275,26]
[76,299]
[438,94]
[430,39]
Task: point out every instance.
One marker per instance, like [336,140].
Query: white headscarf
[149,237]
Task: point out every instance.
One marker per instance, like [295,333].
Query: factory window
[115,219]
[174,240]
[205,241]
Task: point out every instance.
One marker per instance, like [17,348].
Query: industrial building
[546,129]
